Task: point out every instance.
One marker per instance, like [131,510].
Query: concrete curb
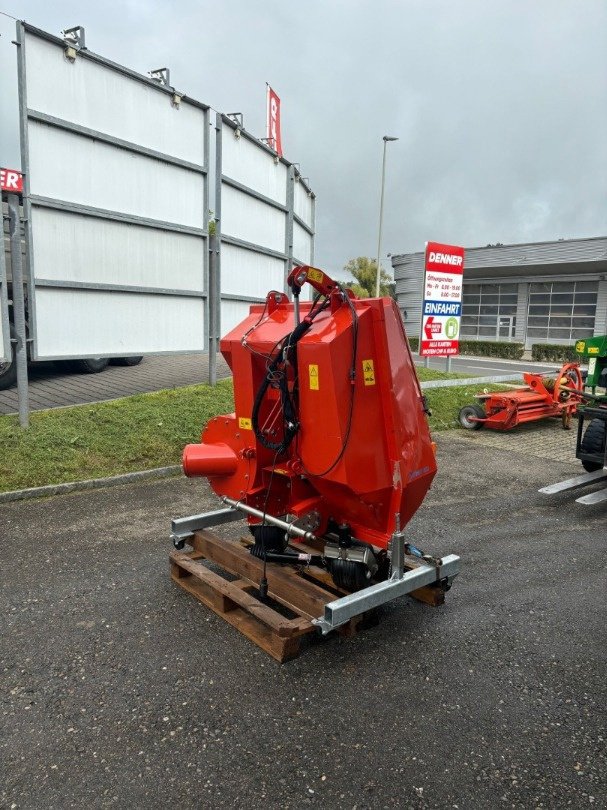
[91,483]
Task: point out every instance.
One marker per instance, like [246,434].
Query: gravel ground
[120,689]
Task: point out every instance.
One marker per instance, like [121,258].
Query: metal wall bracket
[161,75]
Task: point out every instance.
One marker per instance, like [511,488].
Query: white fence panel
[302,244]
[88,172]
[90,95]
[252,165]
[232,313]
[98,246]
[116,204]
[303,203]
[251,220]
[242,269]
[106,318]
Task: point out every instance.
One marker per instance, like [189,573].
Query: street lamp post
[381,210]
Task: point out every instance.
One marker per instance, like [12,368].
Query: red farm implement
[542,397]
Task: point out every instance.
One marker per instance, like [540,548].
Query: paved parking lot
[51,388]
[120,690]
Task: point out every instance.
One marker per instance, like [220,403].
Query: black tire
[93,365]
[126,361]
[269,538]
[471,411]
[349,575]
[8,370]
[593,442]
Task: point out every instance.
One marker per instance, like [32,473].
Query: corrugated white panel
[303,206]
[93,96]
[253,166]
[96,323]
[76,169]
[232,313]
[302,244]
[244,272]
[251,220]
[74,247]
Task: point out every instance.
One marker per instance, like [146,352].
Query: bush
[413,343]
[554,353]
[492,348]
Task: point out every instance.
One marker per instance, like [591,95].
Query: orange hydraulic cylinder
[209,459]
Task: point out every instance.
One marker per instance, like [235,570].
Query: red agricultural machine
[328,448]
[543,397]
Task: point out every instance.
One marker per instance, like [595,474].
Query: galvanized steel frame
[29,200]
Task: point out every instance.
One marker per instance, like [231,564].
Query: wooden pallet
[304,593]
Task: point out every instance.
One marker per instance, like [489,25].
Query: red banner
[11,180]
[273,134]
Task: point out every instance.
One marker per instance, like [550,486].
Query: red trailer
[542,397]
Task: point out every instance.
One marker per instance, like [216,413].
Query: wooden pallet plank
[281,625]
[285,585]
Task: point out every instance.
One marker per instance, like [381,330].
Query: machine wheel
[469,411]
[268,538]
[349,575]
[593,442]
[92,365]
[8,370]
[126,361]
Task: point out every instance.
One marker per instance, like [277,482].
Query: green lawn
[140,432]
[426,374]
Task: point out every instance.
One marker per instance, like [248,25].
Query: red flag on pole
[273,135]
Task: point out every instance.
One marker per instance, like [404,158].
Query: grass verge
[108,438]
[142,432]
[426,374]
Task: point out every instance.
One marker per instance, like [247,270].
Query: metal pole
[211,298]
[18,308]
[381,211]
[448,365]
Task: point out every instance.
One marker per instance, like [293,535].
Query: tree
[364,271]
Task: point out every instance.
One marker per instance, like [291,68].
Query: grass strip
[93,441]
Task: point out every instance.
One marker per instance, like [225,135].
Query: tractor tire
[8,370]
[471,411]
[126,361]
[593,442]
[93,365]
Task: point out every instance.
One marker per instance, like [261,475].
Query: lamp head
[390,138]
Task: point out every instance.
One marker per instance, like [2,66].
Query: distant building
[540,292]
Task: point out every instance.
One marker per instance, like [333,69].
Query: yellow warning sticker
[245,424]
[580,346]
[368,372]
[316,275]
[593,350]
[313,373]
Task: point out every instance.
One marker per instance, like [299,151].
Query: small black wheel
[126,361]
[8,370]
[92,365]
[269,538]
[468,416]
[593,442]
[349,575]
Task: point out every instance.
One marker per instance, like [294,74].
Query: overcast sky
[500,105]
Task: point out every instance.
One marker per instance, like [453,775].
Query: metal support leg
[448,365]
[19,308]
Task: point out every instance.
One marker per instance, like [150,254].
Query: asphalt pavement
[487,366]
[119,689]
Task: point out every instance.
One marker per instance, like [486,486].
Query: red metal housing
[361,452]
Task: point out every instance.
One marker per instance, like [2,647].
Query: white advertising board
[118,219]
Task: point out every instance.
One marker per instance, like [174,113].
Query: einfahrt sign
[442,307]
[11,180]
